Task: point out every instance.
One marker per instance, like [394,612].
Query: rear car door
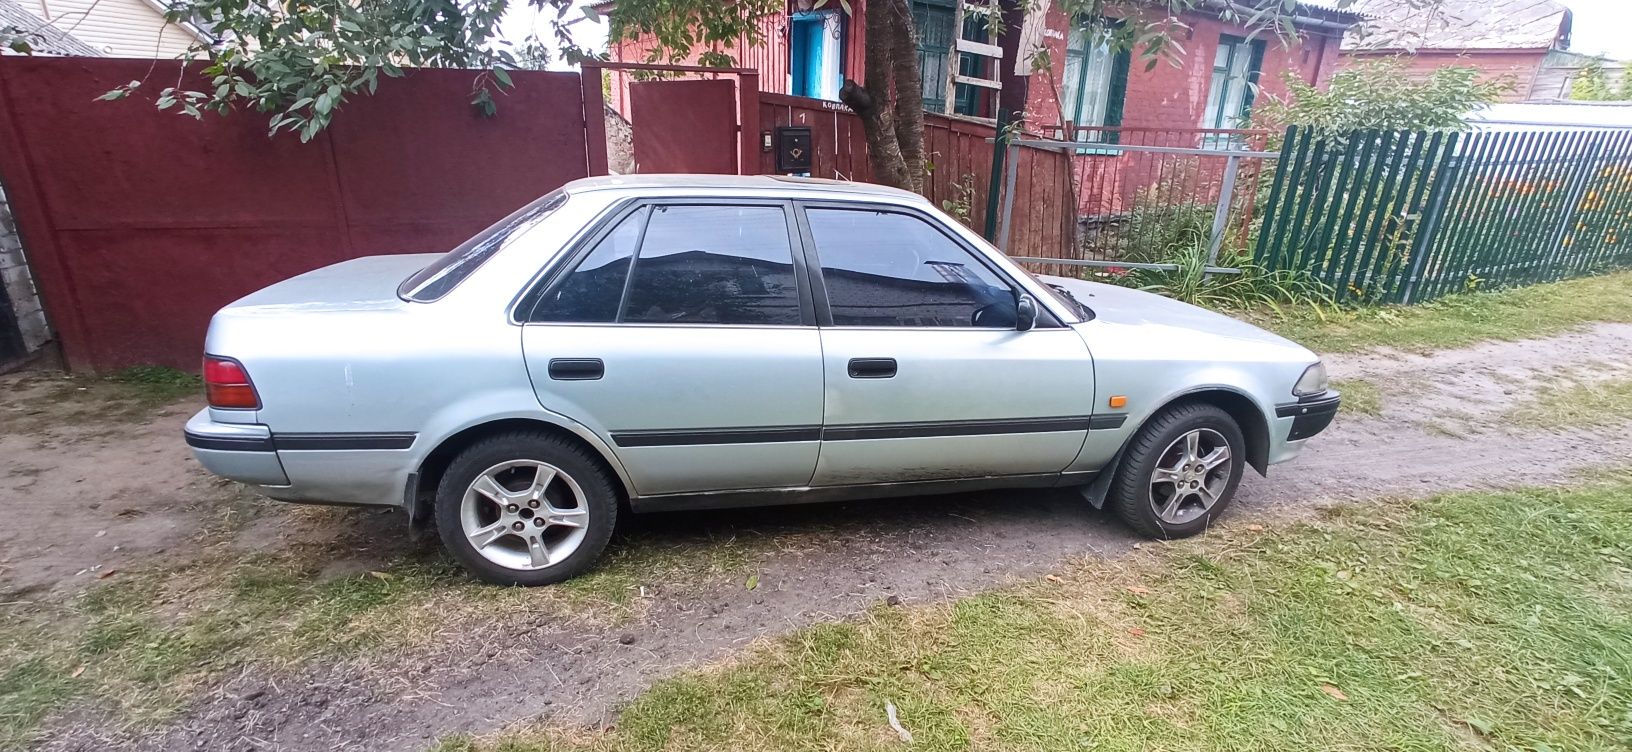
[927,377]
[680,332]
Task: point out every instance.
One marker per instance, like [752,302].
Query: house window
[1235,82]
[1096,81]
[934,23]
[816,54]
[934,20]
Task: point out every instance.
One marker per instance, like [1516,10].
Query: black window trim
[1046,318]
[546,281]
[407,294]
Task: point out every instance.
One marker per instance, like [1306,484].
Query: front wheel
[1180,471]
[525,509]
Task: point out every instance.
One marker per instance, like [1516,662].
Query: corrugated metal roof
[1458,25]
[46,39]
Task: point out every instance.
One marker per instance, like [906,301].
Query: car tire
[1163,445]
[508,524]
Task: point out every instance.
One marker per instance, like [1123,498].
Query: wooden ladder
[961,45]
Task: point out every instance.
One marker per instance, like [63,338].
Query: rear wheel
[1180,471]
[525,509]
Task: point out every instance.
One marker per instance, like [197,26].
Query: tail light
[226,384]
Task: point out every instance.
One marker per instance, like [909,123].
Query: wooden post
[748,123]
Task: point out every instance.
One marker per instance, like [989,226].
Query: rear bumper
[1309,415]
[240,452]
[338,468]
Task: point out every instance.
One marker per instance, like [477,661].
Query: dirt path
[1442,427]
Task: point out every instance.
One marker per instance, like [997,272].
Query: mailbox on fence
[793,148]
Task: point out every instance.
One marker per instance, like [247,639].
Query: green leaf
[753,581]
[504,78]
[112,95]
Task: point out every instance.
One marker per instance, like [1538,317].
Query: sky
[521,19]
[1602,27]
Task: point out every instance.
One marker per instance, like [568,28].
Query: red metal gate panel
[684,126]
[139,224]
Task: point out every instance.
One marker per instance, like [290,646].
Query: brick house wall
[1520,67]
[19,284]
[1171,99]
[1169,96]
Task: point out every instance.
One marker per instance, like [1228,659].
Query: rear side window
[889,269]
[714,265]
[690,264]
[591,293]
[445,273]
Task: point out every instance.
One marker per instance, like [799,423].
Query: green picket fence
[1407,216]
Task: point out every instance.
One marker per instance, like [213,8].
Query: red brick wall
[1175,96]
[1518,66]
[1163,107]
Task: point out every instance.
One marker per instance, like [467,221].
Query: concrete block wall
[19,284]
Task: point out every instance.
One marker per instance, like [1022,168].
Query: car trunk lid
[363,284]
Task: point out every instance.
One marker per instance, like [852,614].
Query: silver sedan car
[645,343]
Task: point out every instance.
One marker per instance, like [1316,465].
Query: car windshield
[445,273]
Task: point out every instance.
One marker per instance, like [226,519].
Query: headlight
[1313,381]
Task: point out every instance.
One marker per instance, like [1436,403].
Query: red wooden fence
[139,224]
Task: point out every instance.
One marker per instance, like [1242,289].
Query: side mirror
[1025,313]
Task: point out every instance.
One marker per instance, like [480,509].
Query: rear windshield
[453,267]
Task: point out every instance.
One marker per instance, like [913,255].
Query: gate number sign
[793,148]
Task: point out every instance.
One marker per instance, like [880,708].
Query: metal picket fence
[1407,216]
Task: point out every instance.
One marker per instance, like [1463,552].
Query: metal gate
[685,126]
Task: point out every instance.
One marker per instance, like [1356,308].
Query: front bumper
[240,452]
[1310,415]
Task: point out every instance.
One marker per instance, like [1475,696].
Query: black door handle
[872,368]
[576,369]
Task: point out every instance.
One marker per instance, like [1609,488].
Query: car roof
[778,184]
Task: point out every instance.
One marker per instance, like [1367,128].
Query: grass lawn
[1470,621]
[1590,405]
[147,641]
[1458,320]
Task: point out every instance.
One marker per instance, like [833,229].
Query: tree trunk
[894,130]
[909,92]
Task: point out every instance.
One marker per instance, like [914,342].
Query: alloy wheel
[524,514]
[1191,476]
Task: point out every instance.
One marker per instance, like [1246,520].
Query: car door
[680,333]
[927,377]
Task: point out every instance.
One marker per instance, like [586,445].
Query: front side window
[1236,65]
[889,269]
[445,273]
[1096,81]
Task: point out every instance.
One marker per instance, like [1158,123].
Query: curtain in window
[1088,69]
